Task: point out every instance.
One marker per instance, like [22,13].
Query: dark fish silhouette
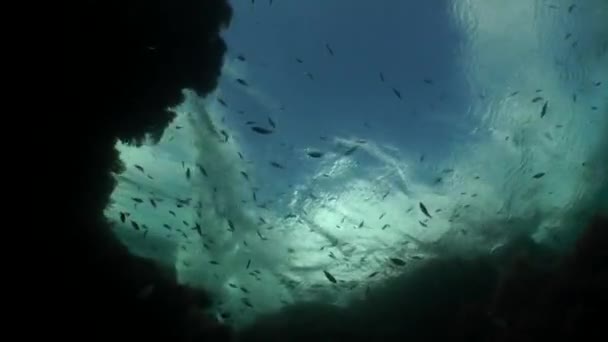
[167,226]
[222,102]
[123,217]
[242,82]
[543,111]
[536,99]
[299,60]
[225,134]
[351,150]
[538,175]
[272,123]
[139,168]
[422,224]
[397,261]
[397,93]
[188,173]
[571,8]
[248,264]
[135,225]
[137,199]
[202,169]
[197,227]
[172,213]
[261,130]
[385,226]
[372,275]
[245,175]
[424,210]
[153,202]
[315,154]
[428,81]
[381,216]
[382,77]
[277,165]
[329,49]
[240,57]
[330,277]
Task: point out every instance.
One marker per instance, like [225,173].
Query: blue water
[466,138]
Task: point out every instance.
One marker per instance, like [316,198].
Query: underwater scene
[357,157]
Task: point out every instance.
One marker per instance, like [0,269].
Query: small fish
[422,224]
[197,227]
[250,123]
[424,210]
[536,99]
[123,217]
[167,226]
[386,194]
[241,155]
[329,49]
[381,216]
[382,77]
[421,158]
[385,226]
[240,57]
[593,107]
[226,136]
[315,154]
[172,213]
[361,224]
[351,150]
[397,93]
[571,8]
[330,277]
[568,35]
[243,289]
[135,225]
[373,274]
[213,262]
[543,111]
[416,257]
[137,199]
[246,302]
[232,285]
[514,93]
[222,102]
[202,169]
[245,175]
[428,81]
[271,122]
[139,168]
[231,225]
[153,202]
[262,220]
[261,130]
[309,75]
[597,84]
[187,173]
[397,261]
[242,82]
[277,165]
[299,60]
[248,264]
[178,127]
[260,235]
[255,197]
[538,175]
[185,223]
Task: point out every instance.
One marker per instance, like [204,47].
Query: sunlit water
[471,142]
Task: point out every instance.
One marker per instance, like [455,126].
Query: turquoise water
[456,122]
